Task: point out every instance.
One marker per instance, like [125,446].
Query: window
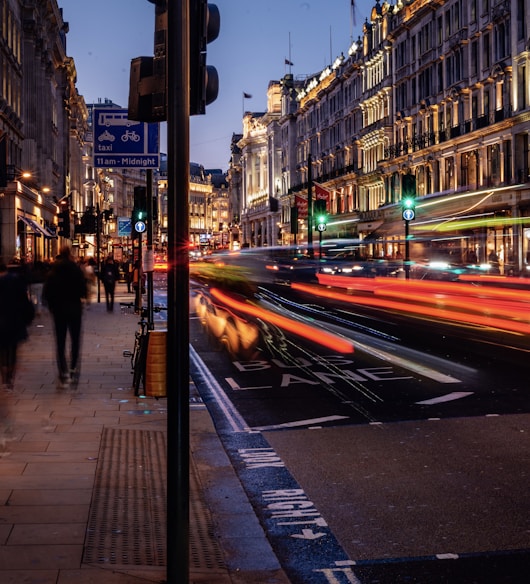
[507,149]
[486,51]
[502,33]
[521,20]
[473,10]
[521,87]
[473,66]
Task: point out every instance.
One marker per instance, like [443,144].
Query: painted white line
[300,423]
[236,387]
[445,398]
[235,420]
[408,364]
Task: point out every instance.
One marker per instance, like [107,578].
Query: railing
[431,138]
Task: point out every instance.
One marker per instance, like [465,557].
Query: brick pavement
[82,475]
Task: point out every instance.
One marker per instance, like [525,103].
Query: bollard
[155,370]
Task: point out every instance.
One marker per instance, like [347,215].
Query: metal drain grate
[128,514]
[127,523]
[205,551]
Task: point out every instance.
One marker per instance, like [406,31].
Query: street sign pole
[177,364]
[150,296]
[407,250]
[310,207]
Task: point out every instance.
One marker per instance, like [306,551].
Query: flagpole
[290,60]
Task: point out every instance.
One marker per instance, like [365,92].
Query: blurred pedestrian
[37,275]
[64,292]
[16,313]
[110,274]
[90,275]
[138,284]
[128,271]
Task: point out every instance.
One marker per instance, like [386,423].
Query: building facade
[38,82]
[436,91]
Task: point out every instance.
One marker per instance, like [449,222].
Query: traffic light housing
[408,197]
[320,212]
[64,222]
[148,75]
[140,205]
[205,23]
[294,220]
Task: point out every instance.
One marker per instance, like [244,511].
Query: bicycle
[141,341]
[138,355]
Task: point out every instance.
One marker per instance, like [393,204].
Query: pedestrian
[16,314]
[138,284]
[110,274]
[128,271]
[64,293]
[90,276]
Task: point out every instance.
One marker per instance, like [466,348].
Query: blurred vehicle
[160,264]
[226,329]
[441,270]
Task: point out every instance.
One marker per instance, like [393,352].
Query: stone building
[435,91]
[39,104]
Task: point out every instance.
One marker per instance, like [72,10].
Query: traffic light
[64,222]
[147,79]
[408,198]
[140,205]
[294,219]
[320,212]
[88,222]
[205,22]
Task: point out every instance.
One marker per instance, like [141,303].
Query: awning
[376,234]
[36,227]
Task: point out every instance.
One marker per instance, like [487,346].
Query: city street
[404,460]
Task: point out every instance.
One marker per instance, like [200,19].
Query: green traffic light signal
[409,202]
[322,219]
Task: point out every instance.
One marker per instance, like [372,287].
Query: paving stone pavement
[83,474]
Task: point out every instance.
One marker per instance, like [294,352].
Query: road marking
[233,417]
[236,387]
[445,398]
[408,364]
[300,423]
[308,534]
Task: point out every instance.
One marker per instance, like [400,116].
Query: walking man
[64,291]
[109,276]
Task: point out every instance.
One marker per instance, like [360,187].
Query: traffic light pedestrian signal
[205,23]
[64,223]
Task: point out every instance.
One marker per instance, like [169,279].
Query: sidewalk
[83,475]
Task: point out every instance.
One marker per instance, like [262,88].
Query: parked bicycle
[138,355]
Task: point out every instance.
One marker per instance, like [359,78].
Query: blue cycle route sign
[123,143]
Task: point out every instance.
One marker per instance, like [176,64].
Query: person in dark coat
[16,313]
[110,274]
[64,293]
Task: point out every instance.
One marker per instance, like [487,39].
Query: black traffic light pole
[149,209]
[177,365]
[407,250]
[310,207]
